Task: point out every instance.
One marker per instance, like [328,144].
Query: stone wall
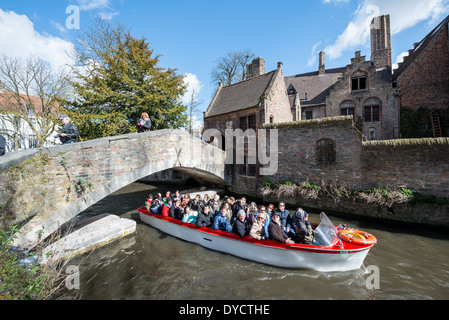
[379,91]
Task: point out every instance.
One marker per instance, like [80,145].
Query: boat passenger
[167,196]
[189,215]
[262,209]
[204,218]
[276,231]
[176,195]
[206,200]
[258,228]
[238,205]
[185,200]
[166,208]
[215,209]
[252,213]
[155,205]
[285,220]
[227,206]
[196,204]
[176,211]
[217,199]
[148,202]
[304,232]
[221,221]
[240,225]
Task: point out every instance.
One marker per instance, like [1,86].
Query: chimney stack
[321,67]
[255,68]
[381,42]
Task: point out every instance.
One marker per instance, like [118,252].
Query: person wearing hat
[304,232]
[275,230]
[69,132]
[258,228]
[240,225]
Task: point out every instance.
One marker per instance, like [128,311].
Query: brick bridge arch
[62,181]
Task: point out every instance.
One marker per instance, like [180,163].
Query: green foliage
[266,182]
[20,280]
[120,85]
[311,186]
[410,120]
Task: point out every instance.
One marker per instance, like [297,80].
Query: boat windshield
[325,233]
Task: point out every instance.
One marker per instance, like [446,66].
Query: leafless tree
[231,67]
[29,91]
[192,109]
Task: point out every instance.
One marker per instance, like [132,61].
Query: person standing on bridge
[144,123]
[69,132]
[2,145]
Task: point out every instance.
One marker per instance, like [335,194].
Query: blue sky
[191,34]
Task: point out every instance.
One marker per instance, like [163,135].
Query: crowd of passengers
[235,215]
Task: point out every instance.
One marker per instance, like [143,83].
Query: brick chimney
[321,67]
[381,42]
[255,68]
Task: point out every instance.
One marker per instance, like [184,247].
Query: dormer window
[358,81]
[291,89]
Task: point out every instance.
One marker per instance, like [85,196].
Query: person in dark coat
[285,219]
[204,219]
[275,230]
[144,123]
[69,132]
[304,232]
[2,145]
[176,210]
[241,226]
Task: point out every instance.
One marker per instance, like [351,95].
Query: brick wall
[418,164]
[425,81]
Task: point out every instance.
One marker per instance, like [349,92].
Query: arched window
[325,151]
[347,108]
[371,110]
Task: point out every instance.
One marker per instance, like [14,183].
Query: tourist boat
[342,249]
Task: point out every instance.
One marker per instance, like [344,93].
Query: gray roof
[239,96]
[316,86]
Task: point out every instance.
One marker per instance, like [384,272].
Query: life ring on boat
[357,237]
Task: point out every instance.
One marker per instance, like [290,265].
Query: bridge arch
[77,176]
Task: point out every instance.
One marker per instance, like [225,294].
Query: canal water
[412,264]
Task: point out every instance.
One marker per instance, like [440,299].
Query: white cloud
[19,39]
[402,17]
[336,1]
[313,54]
[88,5]
[108,15]
[193,84]
[399,59]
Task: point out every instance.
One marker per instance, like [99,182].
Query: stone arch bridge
[48,187]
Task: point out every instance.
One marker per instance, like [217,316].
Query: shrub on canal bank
[384,196]
[21,276]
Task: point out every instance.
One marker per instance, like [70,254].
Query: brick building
[423,86]
[363,89]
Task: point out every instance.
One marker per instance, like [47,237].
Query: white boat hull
[325,259]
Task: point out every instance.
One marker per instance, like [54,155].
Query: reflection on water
[153,265]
